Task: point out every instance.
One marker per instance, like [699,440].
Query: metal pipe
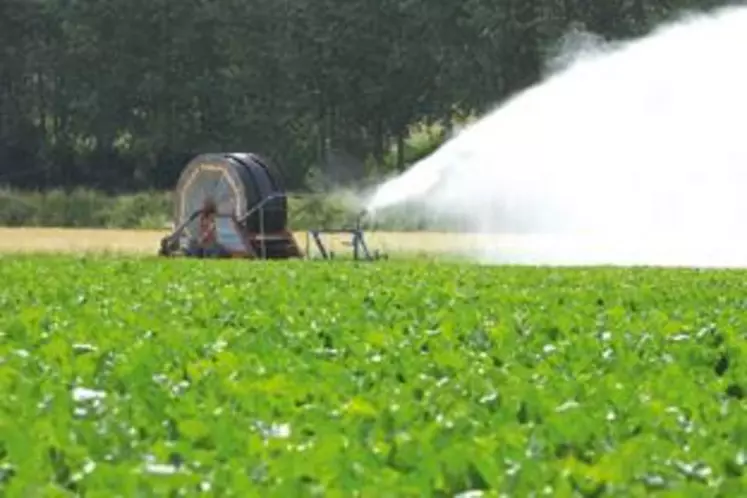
[262,230]
[359,219]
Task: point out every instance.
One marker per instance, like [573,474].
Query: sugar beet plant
[180,378]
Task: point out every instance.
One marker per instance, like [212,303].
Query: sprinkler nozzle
[359,219]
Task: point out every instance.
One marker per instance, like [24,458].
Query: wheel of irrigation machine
[233,184]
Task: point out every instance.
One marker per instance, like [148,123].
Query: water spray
[632,155]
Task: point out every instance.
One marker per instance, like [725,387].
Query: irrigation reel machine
[234,205]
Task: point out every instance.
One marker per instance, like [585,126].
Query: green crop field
[231,378]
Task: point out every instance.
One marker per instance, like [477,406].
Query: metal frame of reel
[170,244]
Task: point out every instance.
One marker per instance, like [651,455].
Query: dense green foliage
[144,378]
[85,208]
[118,94]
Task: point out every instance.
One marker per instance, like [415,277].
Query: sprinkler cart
[235,206]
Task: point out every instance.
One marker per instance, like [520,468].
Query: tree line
[118,94]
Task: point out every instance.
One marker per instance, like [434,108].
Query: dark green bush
[154,210]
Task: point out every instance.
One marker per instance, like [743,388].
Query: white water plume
[632,155]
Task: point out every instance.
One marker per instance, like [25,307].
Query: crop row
[224,378]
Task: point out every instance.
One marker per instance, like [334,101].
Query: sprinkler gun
[358,220]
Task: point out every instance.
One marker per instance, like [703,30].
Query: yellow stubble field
[146,242]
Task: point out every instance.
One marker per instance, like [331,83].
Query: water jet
[631,155]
